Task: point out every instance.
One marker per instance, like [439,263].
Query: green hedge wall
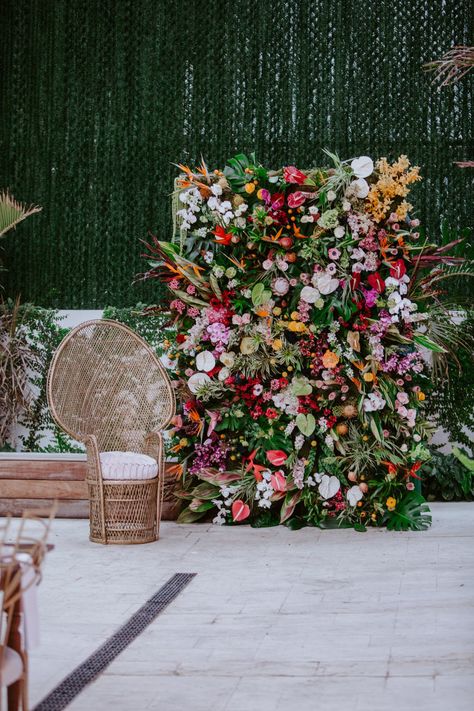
[99,97]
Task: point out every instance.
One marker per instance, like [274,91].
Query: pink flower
[410,485]
[174,284]
[296,199]
[403,398]
[291,174]
[332,395]
[334,253]
[191,289]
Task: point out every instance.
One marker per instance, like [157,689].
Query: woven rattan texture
[107,388]
[93,666]
[99,97]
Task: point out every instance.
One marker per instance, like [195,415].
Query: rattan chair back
[107,381]
[107,388]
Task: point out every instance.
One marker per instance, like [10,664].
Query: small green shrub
[445,478]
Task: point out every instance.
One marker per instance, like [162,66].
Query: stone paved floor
[274,620]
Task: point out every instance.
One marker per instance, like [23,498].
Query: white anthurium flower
[362,167]
[205,361]
[197,380]
[227,359]
[223,374]
[326,283]
[354,495]
[309,294]
[329,486]
[360,188]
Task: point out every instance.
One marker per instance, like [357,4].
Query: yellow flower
[249,188]
[391,503]
[296,327]
[277,344]
[183,442]
[277,311]
[295,315]
[368,377]
[421,396]
[330,359]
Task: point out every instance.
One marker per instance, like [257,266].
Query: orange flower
[330,359]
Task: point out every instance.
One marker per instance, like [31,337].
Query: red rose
[291,174]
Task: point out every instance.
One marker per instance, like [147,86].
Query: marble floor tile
[274,619]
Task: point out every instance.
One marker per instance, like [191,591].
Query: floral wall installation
[301,302]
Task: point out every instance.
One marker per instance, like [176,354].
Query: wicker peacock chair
[108,389]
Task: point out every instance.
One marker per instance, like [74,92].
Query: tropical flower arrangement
[301,302]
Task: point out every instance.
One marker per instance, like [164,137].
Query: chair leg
[24,683]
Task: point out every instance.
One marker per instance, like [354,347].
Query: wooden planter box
[35,480]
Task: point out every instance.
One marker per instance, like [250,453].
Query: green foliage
[445,478]
[45,333]
[411,514]
[102,169]
[450,403]
[151,326]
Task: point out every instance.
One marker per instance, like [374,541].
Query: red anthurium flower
[257,469]
[354,281]
[276,457]
[277,200]
[398,269]
[296,199]
[222,237]
[376,282]
[278,481]
[291,174]
[240,511]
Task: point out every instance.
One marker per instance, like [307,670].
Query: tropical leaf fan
[13,212]
[411,514]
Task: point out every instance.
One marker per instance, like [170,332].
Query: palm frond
[13,212]
[452,66]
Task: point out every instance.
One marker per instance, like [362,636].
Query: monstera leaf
[235,171]
[411,514]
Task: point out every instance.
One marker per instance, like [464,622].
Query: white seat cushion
[127,466]
[12,667]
